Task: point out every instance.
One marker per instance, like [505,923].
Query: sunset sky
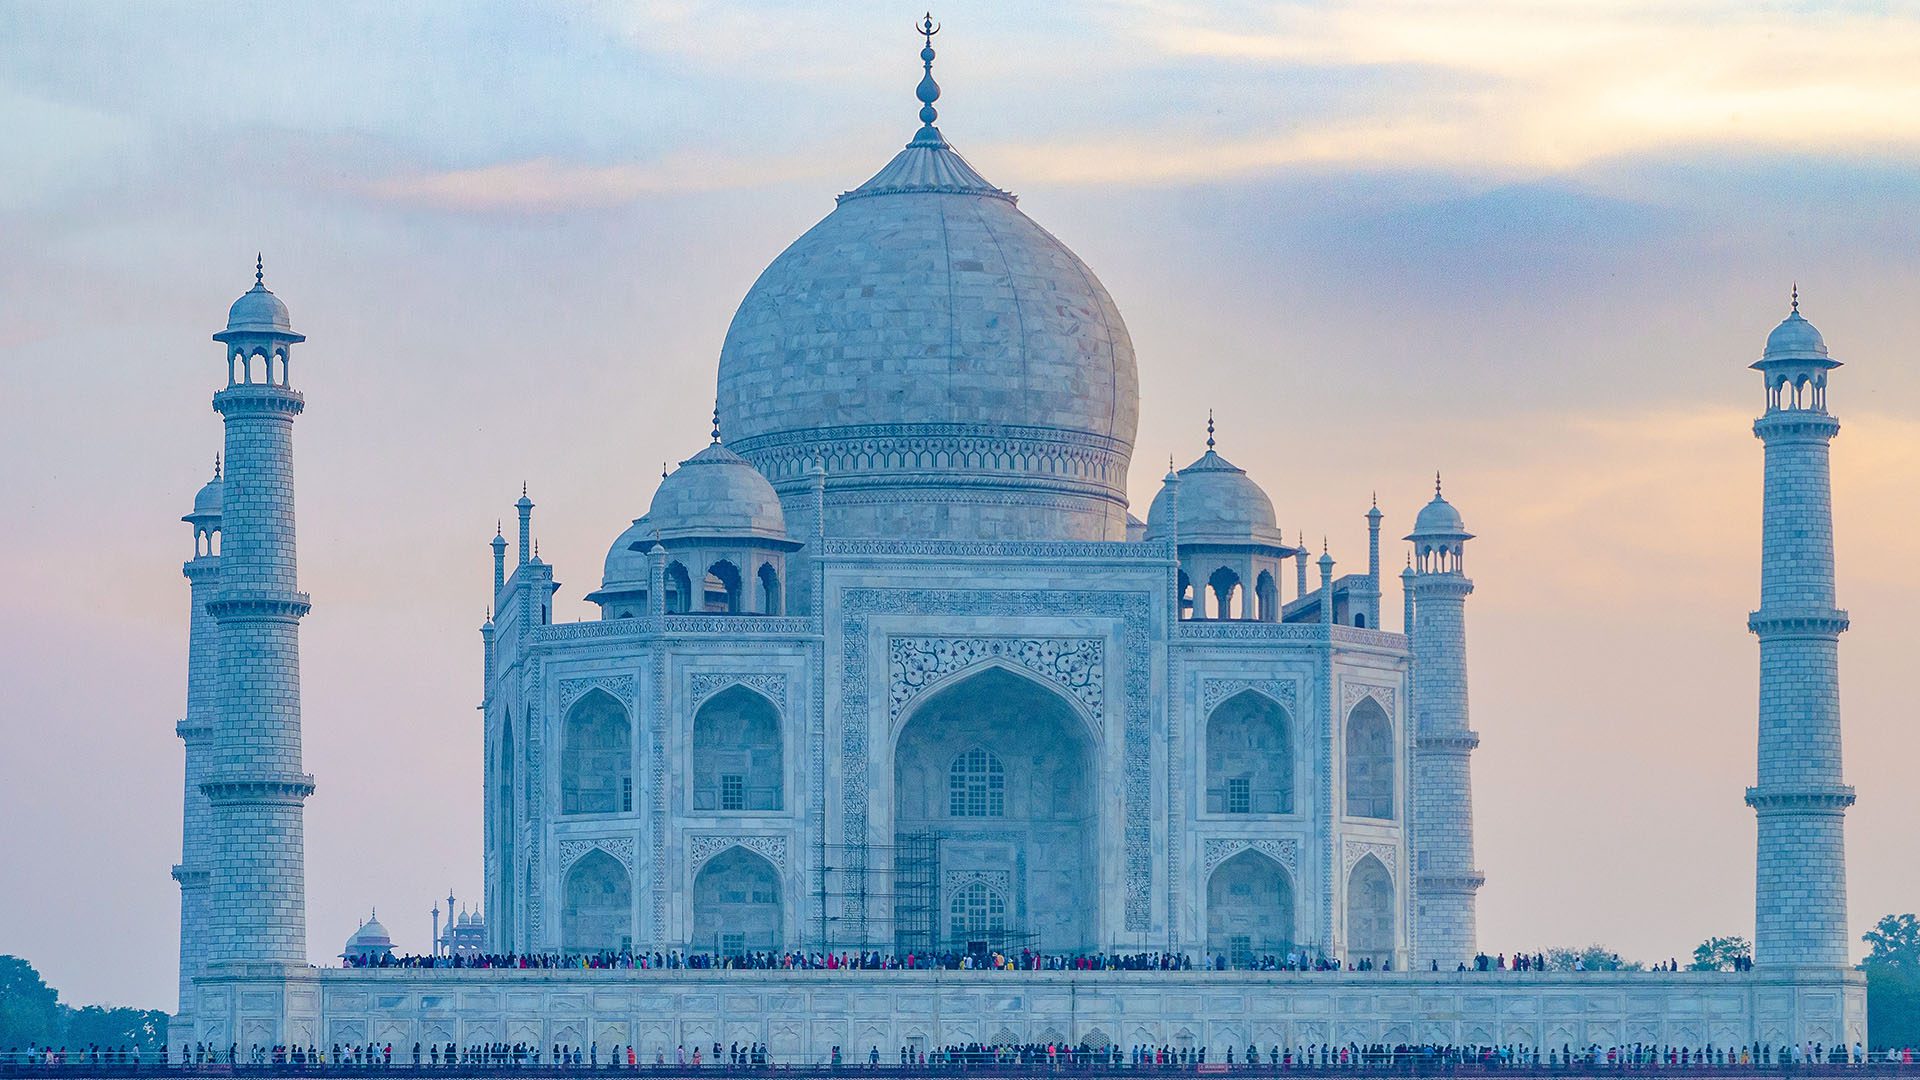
[1532,245]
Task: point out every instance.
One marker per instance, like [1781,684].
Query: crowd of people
[1024,959]
[980,1057]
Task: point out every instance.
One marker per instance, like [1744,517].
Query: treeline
[31,1014]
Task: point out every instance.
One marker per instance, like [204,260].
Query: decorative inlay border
[1076,665]
[1351,693]
[1133,609]
[702,685]
[1219,849]
[621,687]
[620,847]
[1215,691]
[999,881]
[1356,850]
[702,847]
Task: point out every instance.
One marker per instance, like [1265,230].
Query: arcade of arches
[1000,769]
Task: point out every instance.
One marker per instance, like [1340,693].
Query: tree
[1721,954]
[1893,980]
[29,1008]
[1590,958]
[117,1026]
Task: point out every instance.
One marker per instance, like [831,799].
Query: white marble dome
[370,941]
[1438,518]
[1219,504]
[957,369]
[716,493]
[627,558]
[207,501]
[1795,339]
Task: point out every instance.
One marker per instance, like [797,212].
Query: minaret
[1442,810]
[1365,597]
[1800,887]
[196,731]
[499,545]
[257,787]
[525,509]
[1300,566]
[1326,582]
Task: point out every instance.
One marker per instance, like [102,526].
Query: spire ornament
[216,466]
[259,269]
[928,91]
[1209,429]
[1796,298]
[716,425]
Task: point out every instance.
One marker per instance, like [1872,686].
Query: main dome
[958,370]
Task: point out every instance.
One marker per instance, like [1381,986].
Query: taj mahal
[890,664]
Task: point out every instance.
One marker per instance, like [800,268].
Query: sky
[1533,246]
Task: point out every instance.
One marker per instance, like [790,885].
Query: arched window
[723,588]
[596,758]
[1369,761]
[736,752]
[977,912]
[736,904]
[1369,913]
[1249,909]
[1249,756]
[1266,594]
[977,785]
[599,905]
[679,589]
[1224,584]
[505,831]
[770,597]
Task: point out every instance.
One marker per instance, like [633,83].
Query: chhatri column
[1800,886]
[196,730]
[1448,883]
[257,788]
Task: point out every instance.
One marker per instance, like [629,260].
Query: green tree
[117,1026]
[1721,954]
[29,1008]
[1590,958]
[1893,980]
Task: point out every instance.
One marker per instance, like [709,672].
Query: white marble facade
[889,664]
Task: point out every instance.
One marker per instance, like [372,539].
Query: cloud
[546,183]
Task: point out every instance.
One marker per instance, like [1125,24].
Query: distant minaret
[257,787]
[1800,888]
[1442,817]
[196,731]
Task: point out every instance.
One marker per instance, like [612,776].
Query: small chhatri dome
[1439,519]
[1796,339]
[627,558]
[207,501]
[1219,504]
[716,493]
[258,310]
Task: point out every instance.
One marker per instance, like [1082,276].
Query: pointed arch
[506,831]
[1370,906]
[738,764]
[1249,754]
[679,589]
[1227,592]
[737,904]
[598,912]
[1266,595]
[1250,909]
[771,599]
[1370,761]
[976,912]
[722,587]
[596,756]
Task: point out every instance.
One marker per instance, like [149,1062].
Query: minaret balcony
[281,789]
[240,398]
[1801,798]
[1787,622]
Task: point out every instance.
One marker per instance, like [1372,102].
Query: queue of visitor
[1025,959]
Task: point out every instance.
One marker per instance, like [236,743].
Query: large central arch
[1001,770]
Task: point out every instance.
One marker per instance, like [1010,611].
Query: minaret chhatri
[1447,881]
[1800,887]
[196,730]
[257,787]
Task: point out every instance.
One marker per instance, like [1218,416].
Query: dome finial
[1209,429]
[216,465]
[928,91]
[1796,297]
[259,269]
[716,424]
[1436,483]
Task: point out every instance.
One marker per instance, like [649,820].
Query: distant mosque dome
[1219,503]
[370,942]
[958,370]
[716,493]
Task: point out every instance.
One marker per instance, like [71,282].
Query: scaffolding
[863,888]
